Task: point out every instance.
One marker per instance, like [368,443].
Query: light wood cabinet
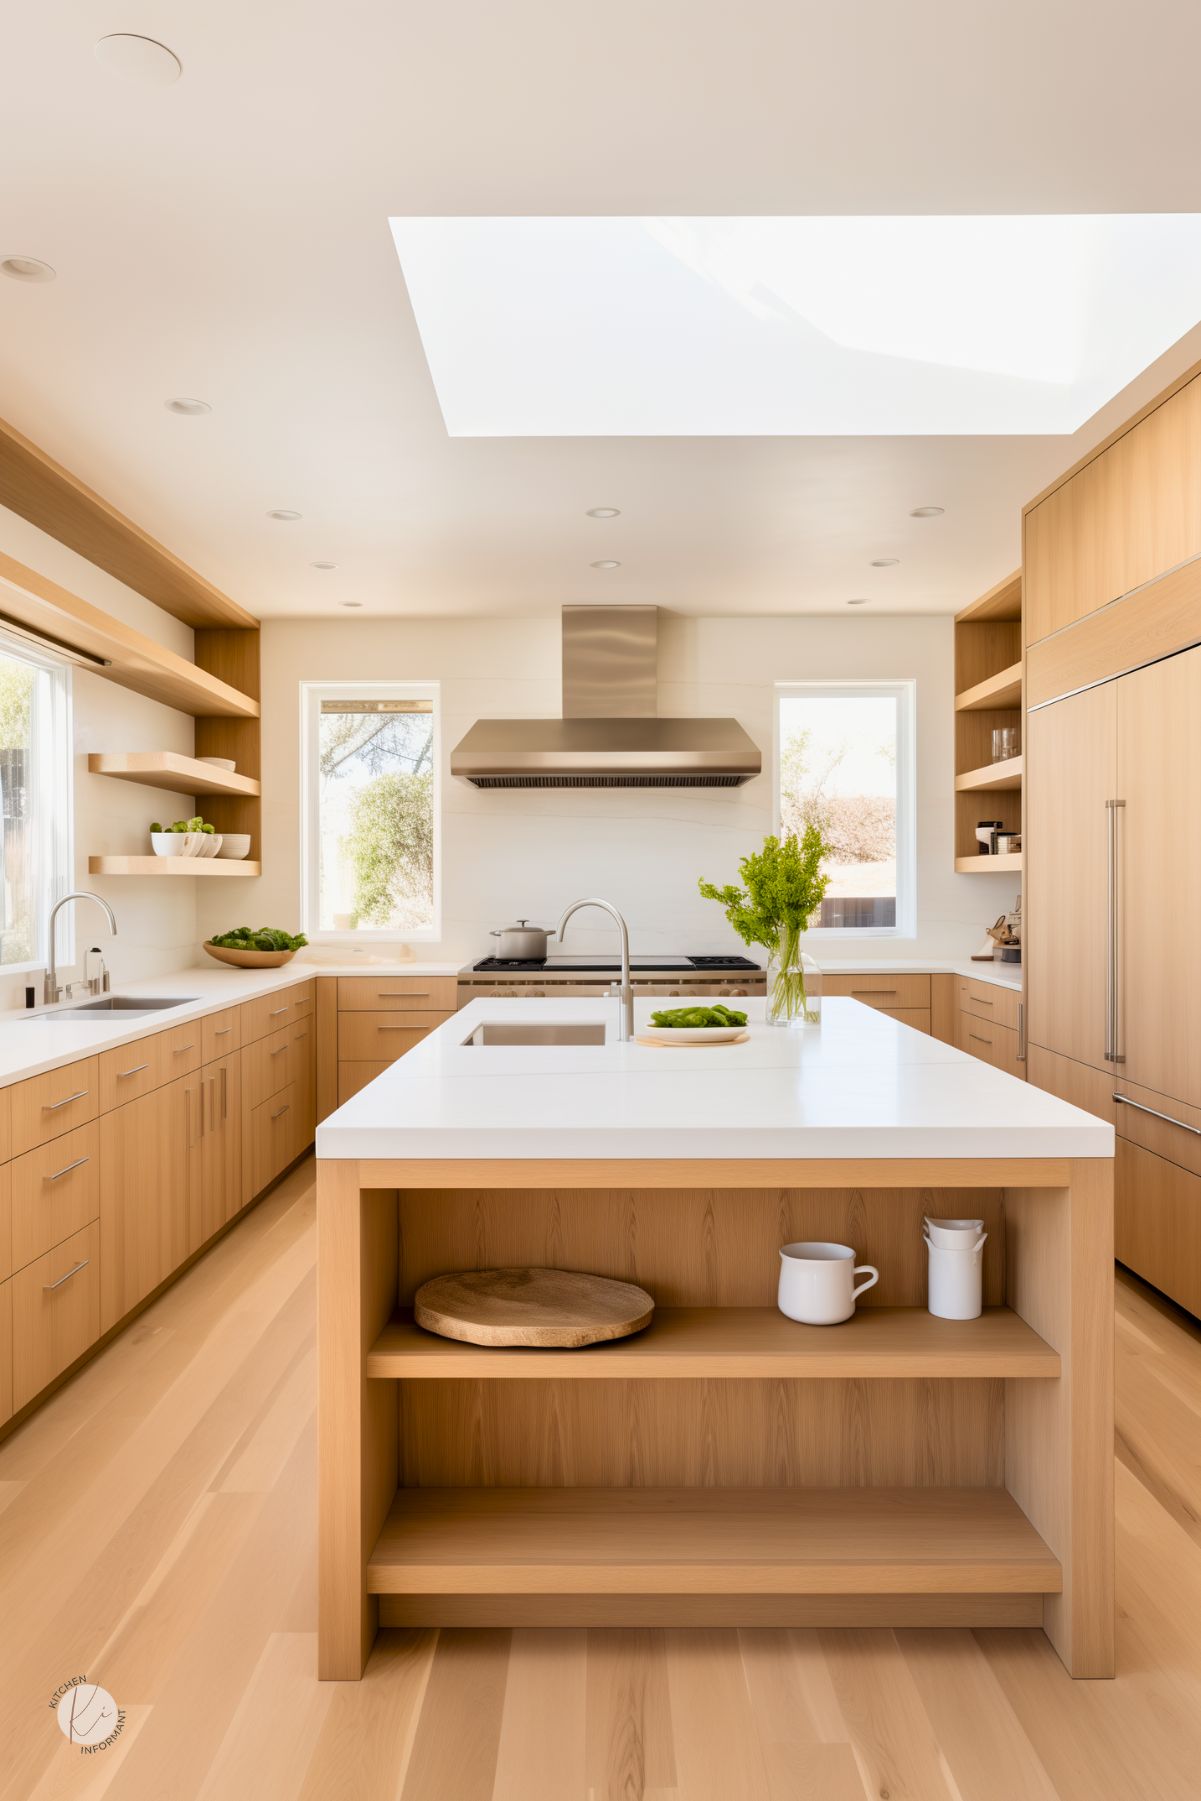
[55,1312]
[6,1124]
[146,1156]
[221,1145]
[1071,753]
[46,1106]
[6,1236]
[425,994]
[995,1044]
[272,1142]
[220,1033]
[6,1351]
[129,1072]
[886,989]
[271,1011]
[1159,862]
[989,1001]
[1157,1223]
[267,1066]
[55,1192]
[382,1037]
[353,1076]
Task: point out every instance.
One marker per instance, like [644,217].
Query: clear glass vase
[794,983]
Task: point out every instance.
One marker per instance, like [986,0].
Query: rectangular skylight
[753,327]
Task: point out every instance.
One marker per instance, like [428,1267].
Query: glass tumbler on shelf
[794,984]
[1004,743]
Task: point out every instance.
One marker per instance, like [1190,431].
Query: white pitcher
[956,1279]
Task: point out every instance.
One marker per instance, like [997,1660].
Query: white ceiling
[227,237]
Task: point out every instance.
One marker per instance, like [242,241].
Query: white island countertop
[859,1086]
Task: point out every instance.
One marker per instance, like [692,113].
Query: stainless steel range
[668,974]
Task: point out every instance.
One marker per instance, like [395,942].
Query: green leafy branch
[783,888]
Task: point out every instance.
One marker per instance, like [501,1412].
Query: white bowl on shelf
[185,844]
[219,763]
[235,844]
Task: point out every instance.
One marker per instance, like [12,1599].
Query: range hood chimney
[610,735]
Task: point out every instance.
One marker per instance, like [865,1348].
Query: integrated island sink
[130,1006]
[523,1031]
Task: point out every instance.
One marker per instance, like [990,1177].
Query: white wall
[156,919]
[508,854]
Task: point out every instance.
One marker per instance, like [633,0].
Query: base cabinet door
[147,1150]
[220,1144]
[56,1312]
[6,1351]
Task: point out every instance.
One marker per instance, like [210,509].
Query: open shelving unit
[988,695]
[175,867]
[172,772]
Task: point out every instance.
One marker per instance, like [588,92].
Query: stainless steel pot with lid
[521,942]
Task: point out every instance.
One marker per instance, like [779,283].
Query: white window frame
[905,695]
[311,696]
[53,799]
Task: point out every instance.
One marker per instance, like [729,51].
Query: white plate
[693,1034]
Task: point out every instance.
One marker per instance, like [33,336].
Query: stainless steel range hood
[610,735]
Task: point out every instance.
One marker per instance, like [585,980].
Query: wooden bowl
[249,959]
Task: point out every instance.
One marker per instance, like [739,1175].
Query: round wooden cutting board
[535,1307]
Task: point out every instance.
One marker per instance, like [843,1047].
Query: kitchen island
[726,1466]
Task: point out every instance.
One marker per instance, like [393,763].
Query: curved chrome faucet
[51,991]
[625,995]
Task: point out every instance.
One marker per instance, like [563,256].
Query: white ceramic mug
[817,1282]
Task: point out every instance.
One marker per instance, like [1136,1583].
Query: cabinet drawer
[55,1192]
[917,1017]
[47,1106]
[6,1351]
[6,1124]
[353,1076]
[56,1312]
[6,1236]
[435,994]
[304,1000]
[986,1001]
[1157,1222]
[181,1049]
[382,1037]
[997,1045]
[271,1011]
[892,992]
[267,1066]
[1176,1136]
[220,1033]
[1077,1083]
[130,1071]
[273,1135]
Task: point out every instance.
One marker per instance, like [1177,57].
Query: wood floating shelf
[714,1342]
[170,770]
[1001,690]
[992,778]
[687,1541]
[1010,864]
[173,866]
[1001,605]
[113,650]
[50,497]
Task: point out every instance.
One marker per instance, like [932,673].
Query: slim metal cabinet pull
[1021,1031]
[1112,1053]
[1124,1100]
[222,1031]
[279,1111]
[122,1074]
[865,990]
[225,1091]
[978,1038]
[407,994]
[67,1168]
[275,1011]
[81,1094]
[49,1287]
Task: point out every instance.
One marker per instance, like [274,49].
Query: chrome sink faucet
[625,994]
[51,992]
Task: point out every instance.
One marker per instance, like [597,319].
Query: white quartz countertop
[31,1043]
[860,1085]
[1004,975]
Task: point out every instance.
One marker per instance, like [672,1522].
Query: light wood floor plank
[157,1533]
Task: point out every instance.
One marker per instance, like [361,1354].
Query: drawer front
[382,1037]
[1077,1083]
[1176,1136]
[6,1351]
[220,1033]
[130,1071]
[6,1235]
[1157,1223]
[884,990]
[997,1045]
[353,1076]
[917,1017]
[273,1131]
[56,1312]
[304,1000]
[426,994]
[986,1001]
[47,1106]
[182,1049]
[267,1066]
[271,1011]
[6,1124]
[55,1192]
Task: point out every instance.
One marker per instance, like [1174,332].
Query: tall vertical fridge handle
[1112,1024]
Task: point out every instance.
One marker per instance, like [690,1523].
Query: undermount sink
[130,1006]
[519,1031]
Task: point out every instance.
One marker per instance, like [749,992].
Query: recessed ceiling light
[27,268]
[139,59]
[885,562]
[351,604]
[189,407]
[857,603]
[282,513]
[926,512]
[323,565]
[604,512]
[608,563]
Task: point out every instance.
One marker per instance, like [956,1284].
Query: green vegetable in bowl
[195,824]
[692,1017]
[260,938]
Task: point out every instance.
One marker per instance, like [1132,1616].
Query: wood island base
[727,1466]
